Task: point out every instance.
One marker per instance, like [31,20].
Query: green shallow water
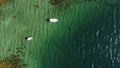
[84,37]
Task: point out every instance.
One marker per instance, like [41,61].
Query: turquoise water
[86,36]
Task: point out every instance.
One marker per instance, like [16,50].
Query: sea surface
[87,34]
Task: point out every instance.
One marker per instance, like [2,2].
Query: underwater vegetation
[14,60]
[3,1]
[67,3]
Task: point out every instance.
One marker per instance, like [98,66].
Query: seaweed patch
[60,3]
[3,1]
[15,60]
[11,62]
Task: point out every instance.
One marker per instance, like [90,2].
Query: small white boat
[53,20]
[29,38]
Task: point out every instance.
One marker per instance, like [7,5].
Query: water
[87,34]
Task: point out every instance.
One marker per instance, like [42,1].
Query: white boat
[29,38]
[53,20]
